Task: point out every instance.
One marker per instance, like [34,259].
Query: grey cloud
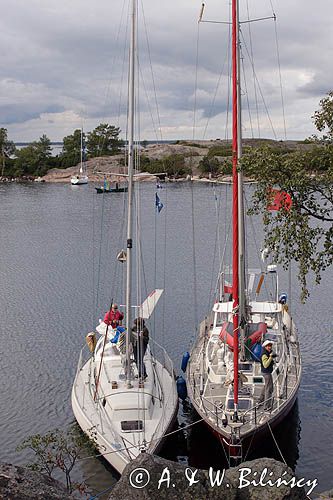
[16,113]
[75,50]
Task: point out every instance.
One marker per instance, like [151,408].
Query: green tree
[173,165]
[209,165]
[7,149]
[59,450]
[220,151]
[303,233]
[104,141]
[71,151]
[323,117]
[35,159]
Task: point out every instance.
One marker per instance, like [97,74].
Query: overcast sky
[63,65]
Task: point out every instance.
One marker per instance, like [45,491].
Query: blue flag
[158,203]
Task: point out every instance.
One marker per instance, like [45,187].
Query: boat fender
[119,330]
[91,341]
[181,388]
[185,359]
[283,298]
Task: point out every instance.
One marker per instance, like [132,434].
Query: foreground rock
[19,483]
[326,495]
[151,477]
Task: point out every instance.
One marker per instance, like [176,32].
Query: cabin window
[243,404]
[131,425]
[245,367]
[258,380]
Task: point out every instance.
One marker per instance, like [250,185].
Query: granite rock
[151,477]
[19,483]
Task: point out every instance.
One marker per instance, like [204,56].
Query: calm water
[58,274]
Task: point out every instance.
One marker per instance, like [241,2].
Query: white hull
[154,405]
[79,179]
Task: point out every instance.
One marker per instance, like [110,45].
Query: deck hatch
[131,425]
[243,404]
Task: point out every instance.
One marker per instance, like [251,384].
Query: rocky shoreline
[193,153]
[150,477]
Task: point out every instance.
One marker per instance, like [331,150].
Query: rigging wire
[155,128]
[114,65]
[123,71]
[215,94]
[259,87]
[194,260]
[229,78]
[246,91]
[196,80]
[152,74]
[136,447]
[280,75]
[164,267]
[253,72]
[99,256]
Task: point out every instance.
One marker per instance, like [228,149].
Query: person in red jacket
[113,317]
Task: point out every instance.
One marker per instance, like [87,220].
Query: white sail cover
[147,307]
[144,311]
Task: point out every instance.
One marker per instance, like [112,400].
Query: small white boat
[81,177]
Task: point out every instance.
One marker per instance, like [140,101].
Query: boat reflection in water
[198,447]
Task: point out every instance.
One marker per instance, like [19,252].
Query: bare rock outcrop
[151,477]
[19,483]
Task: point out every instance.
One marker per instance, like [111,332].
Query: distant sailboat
[226,374]
[81,177]
[126,411]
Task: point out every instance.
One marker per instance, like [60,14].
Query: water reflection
[198,447]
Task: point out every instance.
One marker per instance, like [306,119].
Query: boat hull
[93,418]
[254,439]
[210,388]
[77,181]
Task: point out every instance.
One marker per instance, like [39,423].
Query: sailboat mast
[131,104]
[241,225]
[81,152]
[235,252]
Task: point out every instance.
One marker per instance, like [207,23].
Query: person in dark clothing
[140,339]
[267,363]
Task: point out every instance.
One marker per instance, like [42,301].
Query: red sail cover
[253,334]
[279,199]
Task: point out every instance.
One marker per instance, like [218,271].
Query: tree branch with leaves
[303,232]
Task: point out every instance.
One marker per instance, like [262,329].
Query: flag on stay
[227,287]
[158,203]
[279,199]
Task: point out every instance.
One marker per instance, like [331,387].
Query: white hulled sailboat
[126,413]
[81,177]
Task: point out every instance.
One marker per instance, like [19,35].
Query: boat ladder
[235,449]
